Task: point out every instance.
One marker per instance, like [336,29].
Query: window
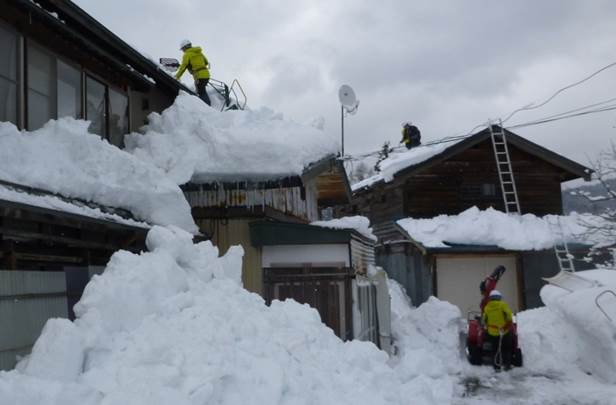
[40,87]
[96,106]
[488,190]
[118,117]
[8,76]
[69,91]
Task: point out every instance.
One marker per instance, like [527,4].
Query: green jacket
[195,61]
[497,317]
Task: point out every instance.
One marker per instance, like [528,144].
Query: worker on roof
[411,136]
[197,64]
[498,320]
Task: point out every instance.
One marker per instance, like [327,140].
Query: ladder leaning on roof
[510,195]
[503,166]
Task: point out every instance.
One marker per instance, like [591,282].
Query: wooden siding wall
[288,200]
[455,185]
[229,232]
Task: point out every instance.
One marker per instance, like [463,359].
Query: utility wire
[533,107]
[545,120]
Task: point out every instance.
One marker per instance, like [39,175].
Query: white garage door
[458,279]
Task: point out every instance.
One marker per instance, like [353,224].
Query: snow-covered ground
[173,325]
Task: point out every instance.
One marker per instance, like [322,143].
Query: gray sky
[444,65]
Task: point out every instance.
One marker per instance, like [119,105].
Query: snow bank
[357,223]
[398,161]
[63,158]
[191,141]
[427,341]
[492,227]
[174,326]
[592,331]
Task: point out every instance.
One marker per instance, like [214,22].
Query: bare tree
[602,227]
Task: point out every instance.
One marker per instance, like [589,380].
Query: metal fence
[27,300]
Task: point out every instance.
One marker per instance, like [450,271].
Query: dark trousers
[506,348]
[201,84]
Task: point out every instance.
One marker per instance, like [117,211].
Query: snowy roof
[56,203]
[410,159]
[495,228]
[356,223]
[63,158]
[192,142]
[401,160]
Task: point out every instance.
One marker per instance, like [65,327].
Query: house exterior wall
[230,232]
[458,277]
[539,264]
[404,263]
[27,300]
[129,96]
[330,255]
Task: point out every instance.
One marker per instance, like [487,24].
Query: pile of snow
[398,161]
[174,326]
[192,142]
[63,158]
[495,228]
[591,333]
[358,223]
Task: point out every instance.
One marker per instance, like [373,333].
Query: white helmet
[495,294]
[185,43]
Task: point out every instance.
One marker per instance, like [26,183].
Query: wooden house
[58,61]
[448,178]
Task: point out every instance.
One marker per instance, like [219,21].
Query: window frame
[88,74]
[19,74]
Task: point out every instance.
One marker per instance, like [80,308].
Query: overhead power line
[533,107]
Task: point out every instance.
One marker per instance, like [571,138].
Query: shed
[332,270]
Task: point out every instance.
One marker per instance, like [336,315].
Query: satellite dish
[347,99]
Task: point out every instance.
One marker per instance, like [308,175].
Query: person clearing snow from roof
[497,318]
[411,136]
[197,64]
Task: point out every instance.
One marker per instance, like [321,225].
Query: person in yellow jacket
[497,319]
[197,64]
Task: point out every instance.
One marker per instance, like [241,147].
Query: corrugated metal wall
[539,264]
[226,233]
[408,267]
[362,254]
[27,300]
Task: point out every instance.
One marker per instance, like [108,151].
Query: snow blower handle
[498,272]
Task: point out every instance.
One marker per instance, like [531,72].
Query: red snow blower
[479,351]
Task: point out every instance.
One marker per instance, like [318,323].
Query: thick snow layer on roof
[191,141]
[63,158]
[357,223]
[589,315]
[398,161]
[174,326]
[495,228]
[58,204]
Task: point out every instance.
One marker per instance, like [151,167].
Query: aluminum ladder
[563,257]
[503,165]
